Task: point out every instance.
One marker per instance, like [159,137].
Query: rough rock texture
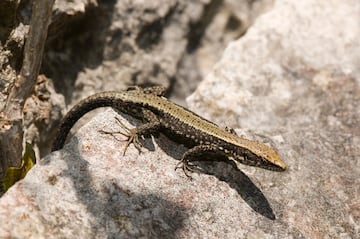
[292,81]
[90,189]
[295,77]
[96,45]
[167,42]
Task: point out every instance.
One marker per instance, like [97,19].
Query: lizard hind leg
[230,130]
[153,90]
[131,134]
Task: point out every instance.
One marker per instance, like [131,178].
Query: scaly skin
[178,123]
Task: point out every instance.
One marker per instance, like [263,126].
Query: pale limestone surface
[295,77]
[91,190]
[292,81]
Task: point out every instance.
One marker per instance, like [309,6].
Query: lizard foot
[131,134]
[187,167]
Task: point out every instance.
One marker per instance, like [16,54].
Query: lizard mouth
[251,159]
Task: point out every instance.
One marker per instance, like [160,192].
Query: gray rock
[294,77]
[90,189]
[95,46]
[292,81]
[109,45]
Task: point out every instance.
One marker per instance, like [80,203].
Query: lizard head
[262,156]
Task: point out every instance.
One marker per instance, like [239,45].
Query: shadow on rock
[226,170]
[119,212]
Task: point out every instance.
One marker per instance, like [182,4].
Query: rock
[90,189]
[95,46]
[291,81]
[295,77]
[140,42]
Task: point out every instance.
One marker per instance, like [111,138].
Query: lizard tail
[99,100]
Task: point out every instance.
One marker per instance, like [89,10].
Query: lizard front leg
[190,155]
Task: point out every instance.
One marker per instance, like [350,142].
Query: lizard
[176,122]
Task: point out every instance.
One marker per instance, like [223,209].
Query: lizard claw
[186,167]
[132,138]
[131,134]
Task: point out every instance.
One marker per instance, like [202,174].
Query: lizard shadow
[224,169]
